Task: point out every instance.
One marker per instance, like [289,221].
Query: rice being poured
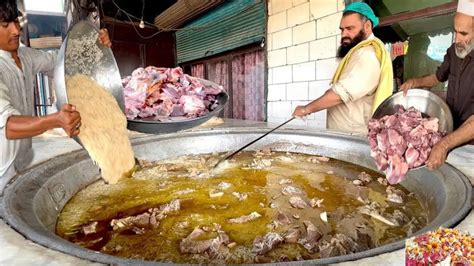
[83,53]
[104,127]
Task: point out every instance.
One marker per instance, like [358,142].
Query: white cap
[466,7]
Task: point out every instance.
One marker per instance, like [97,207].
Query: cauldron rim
[18,216]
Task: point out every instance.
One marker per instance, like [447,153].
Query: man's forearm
[463,134]
[329,99]
[428,81]
[19,127]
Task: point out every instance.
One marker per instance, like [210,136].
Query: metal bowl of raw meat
[174,124]
[428,103]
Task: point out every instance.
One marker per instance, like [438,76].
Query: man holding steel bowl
[19,66]
[458,69]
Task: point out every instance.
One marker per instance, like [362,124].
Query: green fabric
[363,9]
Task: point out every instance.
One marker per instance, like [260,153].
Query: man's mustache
[346,38]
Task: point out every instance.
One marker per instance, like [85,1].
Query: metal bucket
[34,199]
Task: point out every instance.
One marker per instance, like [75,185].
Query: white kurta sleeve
[41,61]
[6,109]
[8,148]
[360,77]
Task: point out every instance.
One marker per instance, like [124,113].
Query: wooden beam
[422,13]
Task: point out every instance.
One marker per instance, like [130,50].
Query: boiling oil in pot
[263,207]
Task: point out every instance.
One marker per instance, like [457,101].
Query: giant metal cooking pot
[34,199]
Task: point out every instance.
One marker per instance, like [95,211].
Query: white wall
[303,36]
[48,6]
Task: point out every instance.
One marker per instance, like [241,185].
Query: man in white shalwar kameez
[18,68]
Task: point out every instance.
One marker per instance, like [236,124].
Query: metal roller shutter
[233,24]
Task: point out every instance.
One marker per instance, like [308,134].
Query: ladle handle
[255,140]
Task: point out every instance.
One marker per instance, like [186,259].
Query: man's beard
[346,47]
[462,51]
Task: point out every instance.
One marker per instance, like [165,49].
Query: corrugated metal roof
[233,24]
[182,11]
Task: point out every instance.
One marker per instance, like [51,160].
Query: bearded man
[363,79]
[458,69]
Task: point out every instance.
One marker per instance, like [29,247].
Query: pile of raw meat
[160,93]
[402,141]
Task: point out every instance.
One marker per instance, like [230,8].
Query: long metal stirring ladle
[252,142]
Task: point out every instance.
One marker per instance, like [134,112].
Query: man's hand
[426,82]
[69,119]
[329,99]
[409,84]
[300,111]
[438,155]
[462,135]
[104,37]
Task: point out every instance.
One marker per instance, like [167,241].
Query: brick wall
[303,36]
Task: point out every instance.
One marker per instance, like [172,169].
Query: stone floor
[16,250]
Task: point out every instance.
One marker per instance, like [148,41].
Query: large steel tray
[177,124]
